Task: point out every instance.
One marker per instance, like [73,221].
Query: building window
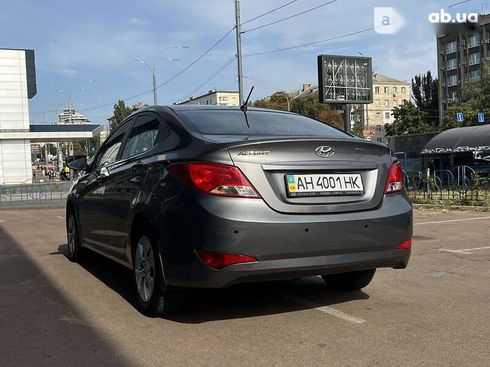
[387,115]
[474,40]
[452,80]
[376,90]
[452,64]
[451,47]
[379,128]
[387,90]
[378,116]
[474,59]
[395,90]
[378,102]
[387,103]
[474,75]
[404,90]
[395,103]
[379,140]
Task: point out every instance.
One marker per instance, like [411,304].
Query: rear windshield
[233,122]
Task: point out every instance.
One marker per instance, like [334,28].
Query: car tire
[75,250]
[153,297]
[351,281]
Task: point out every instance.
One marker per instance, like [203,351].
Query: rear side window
[143,136]
[233,122]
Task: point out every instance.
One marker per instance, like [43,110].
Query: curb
[452,207]
[35,205]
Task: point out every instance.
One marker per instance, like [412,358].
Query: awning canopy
[459,140]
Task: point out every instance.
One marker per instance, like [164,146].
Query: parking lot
[434,313]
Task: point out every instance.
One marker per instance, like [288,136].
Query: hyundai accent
[196,196]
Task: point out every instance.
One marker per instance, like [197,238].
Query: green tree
[425,92]
[475,98]
[409,119]
[312,107]
[277,101]
[121,111]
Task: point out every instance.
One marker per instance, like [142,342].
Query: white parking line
[2,220]
[60,217]
[466,251]
[451,221]
[326,309]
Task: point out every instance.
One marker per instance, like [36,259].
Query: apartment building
[214,97]
[388,93]
[462,50]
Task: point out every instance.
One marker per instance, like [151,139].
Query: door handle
[137,166]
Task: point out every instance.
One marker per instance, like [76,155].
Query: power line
[310,43]
[160,85]
[196,60]
[212,76]
[269,12]
[291,16]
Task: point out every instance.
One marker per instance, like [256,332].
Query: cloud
[137,21]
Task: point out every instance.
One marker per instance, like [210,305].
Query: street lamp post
[153,69]
[290,99]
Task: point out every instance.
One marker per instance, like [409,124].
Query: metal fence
[34,194]
[460,186]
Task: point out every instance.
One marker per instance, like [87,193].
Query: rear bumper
[286,246]
[199,275]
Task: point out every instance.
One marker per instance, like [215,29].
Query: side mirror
[77,162]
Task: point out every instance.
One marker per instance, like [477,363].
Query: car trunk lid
[270,164]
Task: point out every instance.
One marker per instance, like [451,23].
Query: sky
[86,49]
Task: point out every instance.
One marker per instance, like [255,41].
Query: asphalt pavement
[434,313]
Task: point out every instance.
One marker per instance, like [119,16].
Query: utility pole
[154,75]
[239,50]
[69,109]
[347,112]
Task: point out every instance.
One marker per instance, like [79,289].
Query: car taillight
[215,179]
[406,245]
[395,179]
[219,261]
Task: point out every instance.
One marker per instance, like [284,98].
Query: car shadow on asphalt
[40,325]
[235,302]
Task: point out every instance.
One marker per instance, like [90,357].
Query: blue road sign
[481,117]
[459,117]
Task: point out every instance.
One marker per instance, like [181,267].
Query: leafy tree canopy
[425,93]
[121,111]
[310,107]
[409,119]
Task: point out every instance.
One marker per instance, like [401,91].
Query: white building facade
[216,98]
[17,86]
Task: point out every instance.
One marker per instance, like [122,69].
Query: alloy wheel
[144,268]
[71,231]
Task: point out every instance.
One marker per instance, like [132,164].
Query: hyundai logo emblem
[324,151]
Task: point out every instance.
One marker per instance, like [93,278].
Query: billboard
[345,79]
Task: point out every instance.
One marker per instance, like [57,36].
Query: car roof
[196,107]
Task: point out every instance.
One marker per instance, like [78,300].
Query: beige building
[387,94]
[215,97]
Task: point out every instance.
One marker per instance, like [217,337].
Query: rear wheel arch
[141,223]
[70,208]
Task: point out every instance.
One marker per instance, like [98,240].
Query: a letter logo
[387,20]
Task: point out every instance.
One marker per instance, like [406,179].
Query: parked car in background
[194,196]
